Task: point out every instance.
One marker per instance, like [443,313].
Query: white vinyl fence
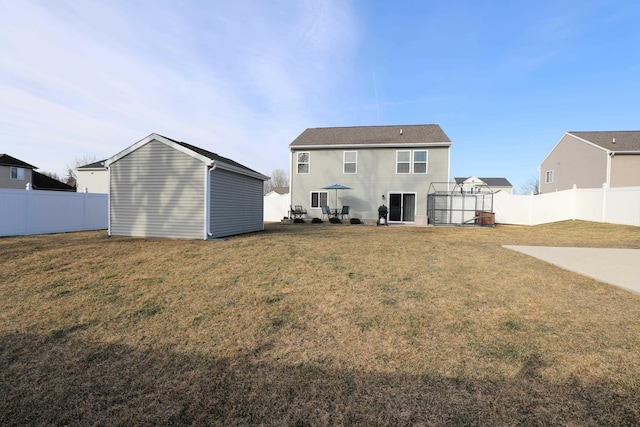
[39,212]
[620,205]
[276,206]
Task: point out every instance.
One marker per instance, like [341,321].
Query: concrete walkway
[619,267]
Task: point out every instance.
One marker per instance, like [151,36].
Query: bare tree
[279,178]
[531,186]
[71,169]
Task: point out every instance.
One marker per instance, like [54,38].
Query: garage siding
[157,191]
[236,203]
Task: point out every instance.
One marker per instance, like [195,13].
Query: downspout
[290,180]
[208,202]
[109,202]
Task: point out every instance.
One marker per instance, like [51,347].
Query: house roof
[95,165]
[44,182]
[381,136]
[7,160]
[624,140]
[280,190]
[491,182]
[212,159]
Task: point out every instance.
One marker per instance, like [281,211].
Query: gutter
[384,145]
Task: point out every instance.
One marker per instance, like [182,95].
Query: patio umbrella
[336,187]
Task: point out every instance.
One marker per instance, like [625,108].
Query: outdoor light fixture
[383,197]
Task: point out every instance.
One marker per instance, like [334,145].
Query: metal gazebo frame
[449,203]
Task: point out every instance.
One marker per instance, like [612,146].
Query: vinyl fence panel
[619,205]
[38,212]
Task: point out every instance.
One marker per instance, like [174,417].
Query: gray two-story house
[390,165]
[591,159]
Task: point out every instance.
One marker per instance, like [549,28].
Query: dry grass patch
[316,324]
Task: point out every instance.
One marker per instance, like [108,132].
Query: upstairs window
[548,177]
[420,161]
[403,161]
[303,162]
[350,162]
[17,173]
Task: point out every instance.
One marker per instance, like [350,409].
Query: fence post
[574,198]
[27,208]
[604,201]
[531,200]
[84,208]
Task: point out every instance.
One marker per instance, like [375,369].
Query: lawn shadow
[65,381]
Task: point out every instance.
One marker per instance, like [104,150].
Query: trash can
[382,215]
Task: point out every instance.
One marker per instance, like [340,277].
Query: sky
[504,79]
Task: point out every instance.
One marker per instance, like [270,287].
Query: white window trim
[344,162]
[426,162]
[298,163]
[311,199]
[18,174]
[548,174]
[412,162]
[397,162]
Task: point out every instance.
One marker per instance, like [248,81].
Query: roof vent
[614,141]
[400,131]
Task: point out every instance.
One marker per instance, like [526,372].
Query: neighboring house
[391,165]
[15,173]
[591,159]
[44,182]
[474,184]
[160,187]
[276,204]
[93,178]
[279,190]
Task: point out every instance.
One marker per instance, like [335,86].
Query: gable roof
[372,136]
[624,140]
[7,160]
[44,182]
[95,165]
[491,182]
[279,190]
[207,157]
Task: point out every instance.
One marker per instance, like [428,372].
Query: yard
[316,324]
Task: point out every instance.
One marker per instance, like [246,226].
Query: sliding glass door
[402,207]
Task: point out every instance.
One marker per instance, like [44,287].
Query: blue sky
[504,79]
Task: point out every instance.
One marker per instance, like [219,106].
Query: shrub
[355,221]
[298,221]
[335,220]
[316,221]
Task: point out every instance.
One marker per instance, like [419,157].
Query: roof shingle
[397,135]
[624,140]
[7,160]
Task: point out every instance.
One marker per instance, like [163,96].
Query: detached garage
[160,187]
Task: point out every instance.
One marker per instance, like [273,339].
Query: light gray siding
[236,204]
[19,184]
[157,191]
[376,176]
[574,162]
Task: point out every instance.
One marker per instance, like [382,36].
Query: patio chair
[325,211]
[345,212]
[297,211]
